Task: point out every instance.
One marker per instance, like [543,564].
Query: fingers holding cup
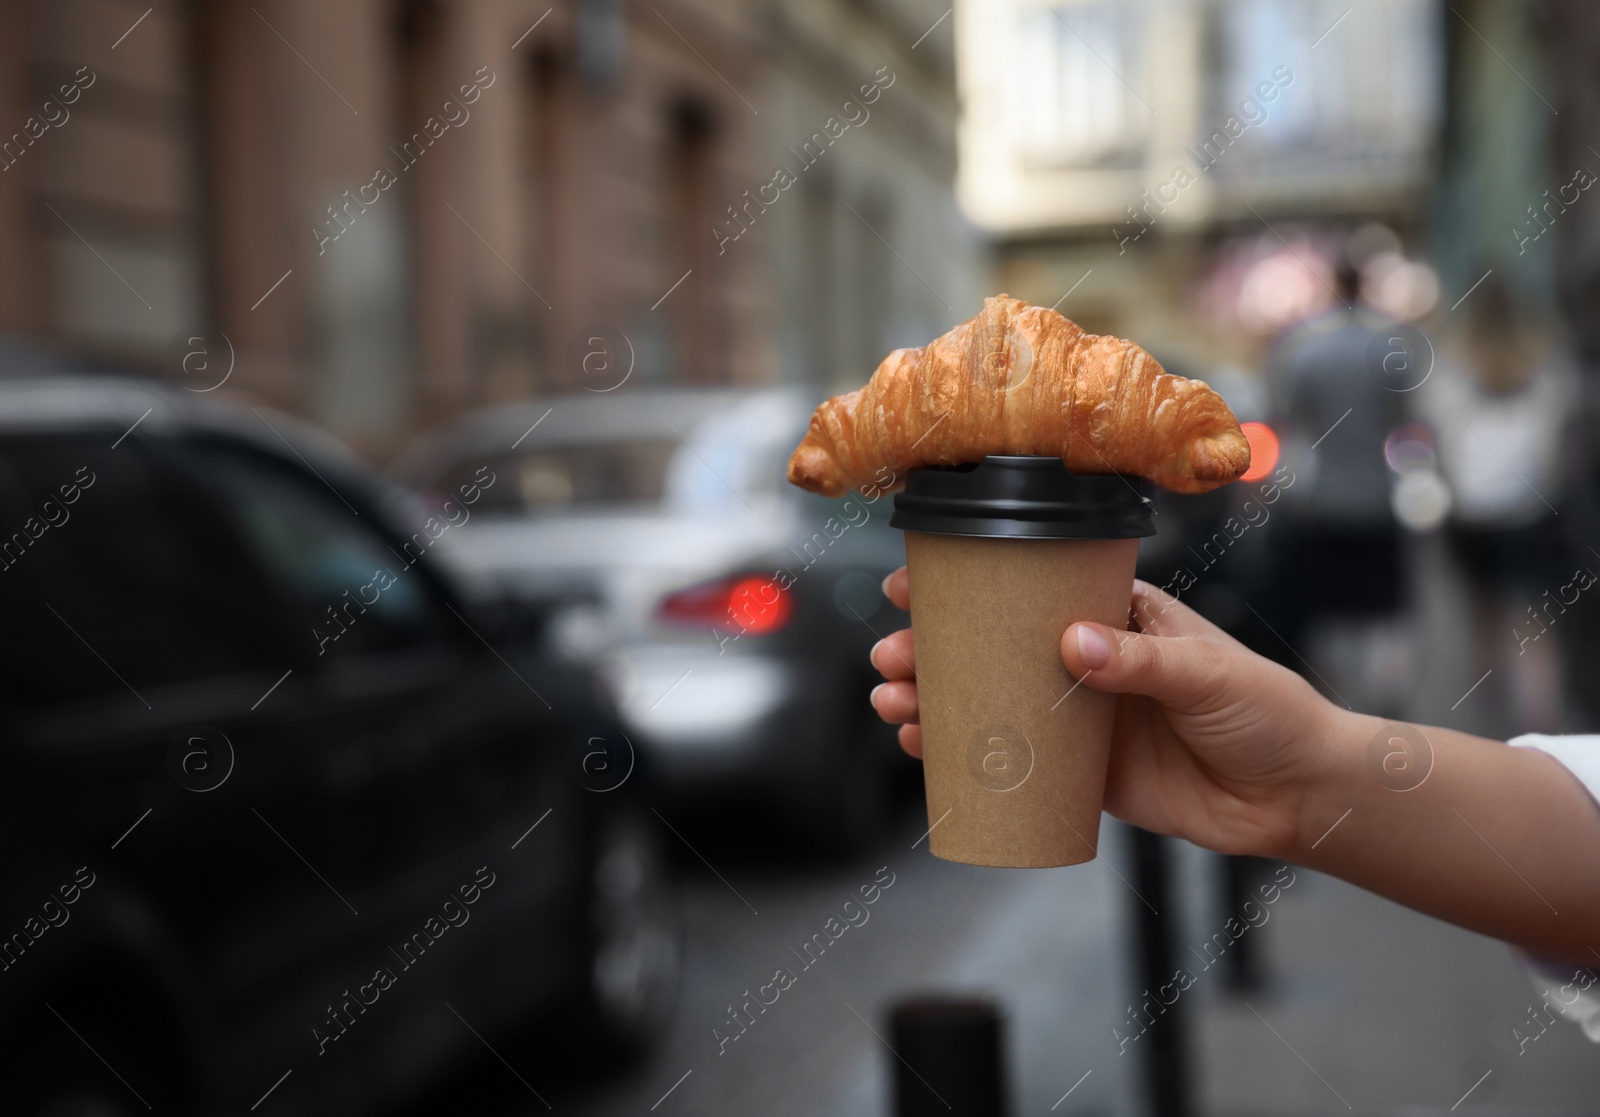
[911,740]
[896,702]
[897,588]
[895,656]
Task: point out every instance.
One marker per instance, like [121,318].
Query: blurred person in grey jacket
[1342,557]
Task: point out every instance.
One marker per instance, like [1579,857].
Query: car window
[737,457]
[355,588]
[114,579]
[564,478]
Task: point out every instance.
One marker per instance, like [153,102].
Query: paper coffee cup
[1002,557]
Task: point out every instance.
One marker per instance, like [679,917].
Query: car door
[426,754]
[135,698]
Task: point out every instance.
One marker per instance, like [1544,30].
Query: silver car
[731,613]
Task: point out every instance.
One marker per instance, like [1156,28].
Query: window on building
[865,308]
[1263,36]
[818,274]
[691,148]
[545,168]
[1074,88]
[1350,77]
[110,184]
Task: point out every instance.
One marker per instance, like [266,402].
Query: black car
[286,826]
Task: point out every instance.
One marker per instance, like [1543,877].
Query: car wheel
[636,936]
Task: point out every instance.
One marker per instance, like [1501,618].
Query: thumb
[1181,672]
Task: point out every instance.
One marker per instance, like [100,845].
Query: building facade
[1145,155]
[382,212]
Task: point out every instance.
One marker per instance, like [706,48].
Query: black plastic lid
[1021,497]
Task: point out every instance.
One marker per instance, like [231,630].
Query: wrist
[1336,777]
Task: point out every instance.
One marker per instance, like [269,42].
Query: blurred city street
[1014,935]
[445,539]
[1363,1006]
[1398,1014]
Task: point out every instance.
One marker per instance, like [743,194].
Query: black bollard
[950,1058]
[1244,971]
[1166,1062]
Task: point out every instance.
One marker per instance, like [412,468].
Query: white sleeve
[1570,991]
[1580,755]
[1566,990]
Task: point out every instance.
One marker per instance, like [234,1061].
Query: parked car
[282,828]
[735,612]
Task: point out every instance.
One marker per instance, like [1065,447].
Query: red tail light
[1263,450]
[744,603]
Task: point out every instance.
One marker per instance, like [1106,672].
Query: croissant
[1020,379]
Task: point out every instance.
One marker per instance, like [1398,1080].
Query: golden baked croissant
[1020,379]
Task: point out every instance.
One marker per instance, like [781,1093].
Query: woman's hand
[1215,744]
[1211,742]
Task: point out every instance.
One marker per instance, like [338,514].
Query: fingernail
[873,697]
[1092,648]
[872,656]
[885,584]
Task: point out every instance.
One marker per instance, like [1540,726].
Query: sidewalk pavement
[1372,1008]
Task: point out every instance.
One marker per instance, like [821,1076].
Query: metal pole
[1167,1088]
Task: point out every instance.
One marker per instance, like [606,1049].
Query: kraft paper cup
[1002,557]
